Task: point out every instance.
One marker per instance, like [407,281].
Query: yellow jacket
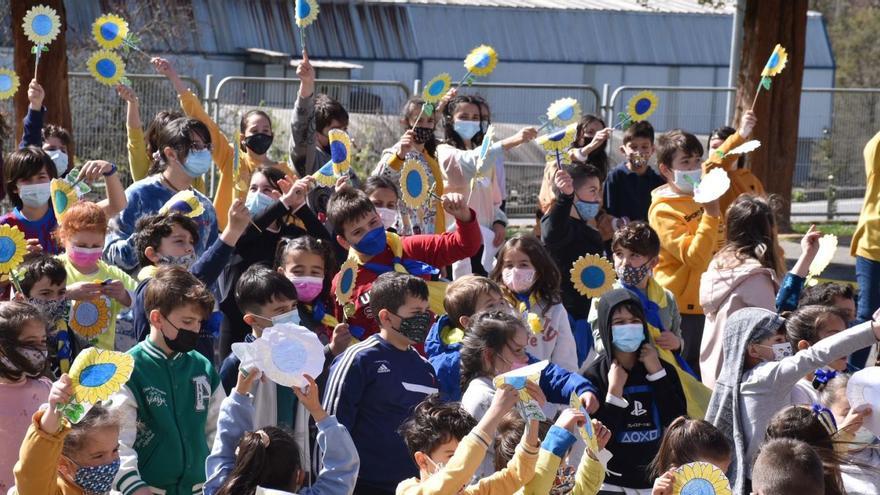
[223,155]
[742,180]
[587,481]
[866,240]
[395,163]
[464,463]
[139,162]
[36,472]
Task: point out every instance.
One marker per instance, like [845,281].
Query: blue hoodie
[556,383]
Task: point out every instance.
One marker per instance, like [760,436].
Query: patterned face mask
[32,359]
[96,479]
[51,310]
[185,261]
[633,275]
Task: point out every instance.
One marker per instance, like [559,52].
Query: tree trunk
[52,74]
[766,23]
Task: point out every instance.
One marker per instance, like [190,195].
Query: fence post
[416,86]
[831,197]
[605,104]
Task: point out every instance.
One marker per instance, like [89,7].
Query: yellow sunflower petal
[184,202]
[642,105]
[436,88]
[90,318]
[306,11]
[564,111]
[776,62]
[63,195]
[481,61]
[13,247]
[41,25]
[559,141]
[110,31]
[9,83]
[97,374]
[592,275]
[347,279]
[413,184]
[700,478]
[340,151]
[106,67]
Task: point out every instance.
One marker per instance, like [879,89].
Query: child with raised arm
[53,139]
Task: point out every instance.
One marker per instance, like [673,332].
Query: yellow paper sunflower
[700,478]
[13,247]
[485,146]
[90,318]
[63,196]
[776,62]
[106,67]
[325,176]
[347,279]
[340,151]
[481,61]
[560,140]
[41,25]
[306,11]
[185,202]
[413,184]
[592,275]
[564,111]
[642,105]
[110,31]
[98,374]
[8,83]
[436,88]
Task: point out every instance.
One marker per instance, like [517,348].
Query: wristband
[112,171]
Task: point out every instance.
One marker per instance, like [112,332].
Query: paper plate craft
[775,64]
[712,186]
[592,275]
[340,151]
[742,149]
[90,318]
[63,195]
[110,31]
[284,353]
[864,388]
[559,141]
[586,431]
[436,88]
[325,176]
[96,375]
[13,247]
[413,183]
[481,61]
[824,256]
[563,112]
[41,26]
[107,67]
[305,13]
[700,478]
[347,278]
[527,406]
[185,202]
[8,83]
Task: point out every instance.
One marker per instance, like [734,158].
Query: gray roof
[677,6]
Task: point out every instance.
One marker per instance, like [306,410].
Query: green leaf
[470,80]
[124,80]
[44,48]
[765,83]
[428,109]
[719,153]
[74,412]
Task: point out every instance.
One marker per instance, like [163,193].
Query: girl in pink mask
[99,292]
[308,263]
[530,280]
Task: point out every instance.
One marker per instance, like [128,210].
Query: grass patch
[840,229]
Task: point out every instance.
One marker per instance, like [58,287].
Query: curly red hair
[83,216]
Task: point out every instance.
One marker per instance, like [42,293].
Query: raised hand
[306,74]
[456,205]
[310,398]
[563,182]
[36,94]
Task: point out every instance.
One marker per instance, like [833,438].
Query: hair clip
[824,415]
[264,438]
[822,377]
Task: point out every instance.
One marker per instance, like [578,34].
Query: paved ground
[817,211]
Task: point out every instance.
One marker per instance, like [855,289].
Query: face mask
[638,160]
[259,143]
[289,317]
[415,327]
[423,134]
[388,216]
[59,158]
[373,242]
[484,125]
[33,361]
[466,129]
[519,280]
[438,466]
[781,351]
[587,209]
[185,261]
[864,436]
[51,310]
[34,195]
[307,288]
[257,202]
[84,256]
[96,479]
[627,338]
[686,179]
[185,341]
[633,275]
[198,163]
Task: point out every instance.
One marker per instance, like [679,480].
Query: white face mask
[59,158]
[864,436]
[35,195]
[388,216]
[686,180]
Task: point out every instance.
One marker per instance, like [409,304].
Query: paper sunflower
[485,146]
[824,256]
[564,111]
[436,88]
[519,377]
[306,11]
[700,478]
[98,374]
[325,176]
[340,151]
[413,184]
[347,278]
[481,61]
[90,318]
[588,435]
[106,67]
[776,62]
[592,275]
[713,185]
[110,31]
[185,202]
[742,149]
[8,83]
[41,25]
[13,247]
[642,105]
[289,351]
[559,141]
[63,195]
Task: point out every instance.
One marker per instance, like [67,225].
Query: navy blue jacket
[628,194]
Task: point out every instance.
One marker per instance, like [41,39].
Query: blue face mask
[373,242]
[257,202]
[289,317]
[467,129]
[627,338]
[198,163]
[96,479]
[587,209]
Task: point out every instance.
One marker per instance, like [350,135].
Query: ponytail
[268,458]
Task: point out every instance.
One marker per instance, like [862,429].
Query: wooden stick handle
[757,92]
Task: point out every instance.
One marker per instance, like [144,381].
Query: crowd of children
[705,349]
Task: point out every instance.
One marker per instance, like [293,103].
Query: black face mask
[415,327]
[423,134]
[259,143]
[185,341]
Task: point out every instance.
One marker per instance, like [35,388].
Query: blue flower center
[338,151]
[97,374]
[42,25]
[86,314]
[698,486]
[7,249]
[5,82]
[106,68]
[414,183]
[109,31]
[593,277]
[643,105]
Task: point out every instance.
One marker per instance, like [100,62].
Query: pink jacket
[723,291]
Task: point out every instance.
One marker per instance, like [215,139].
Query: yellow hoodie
[742,180]
[36,472]
[866,240]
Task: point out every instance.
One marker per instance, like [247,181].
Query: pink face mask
[518,280]
[84,256]
[307,288]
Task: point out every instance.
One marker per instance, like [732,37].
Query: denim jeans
[868,278]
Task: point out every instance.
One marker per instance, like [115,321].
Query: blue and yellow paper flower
[90,318]
[63,195]
[642,105]
[184,202]
[8,83]
[413,184]
[485,147]
[347,278]
[41,25]
[110,31]
[481,61]
[325,176]
[559,141]
[700,478]
[592,275]
[776,62]
[306,11]
[340,151]
[98,374]
[107,67]
[564,111]
[435,89]
[13,247]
